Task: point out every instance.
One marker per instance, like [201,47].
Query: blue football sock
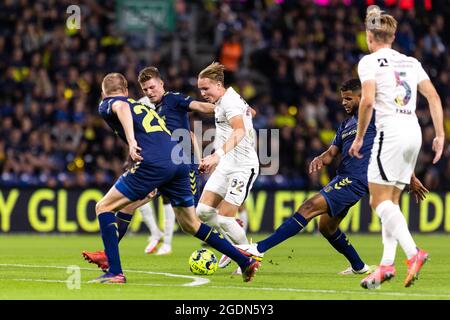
[218,242]
[123,221]
[289,228]
[341,243]
[108,227]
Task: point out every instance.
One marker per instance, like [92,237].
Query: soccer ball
[203,262]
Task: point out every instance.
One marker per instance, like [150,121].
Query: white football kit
[399,137]
[237,170]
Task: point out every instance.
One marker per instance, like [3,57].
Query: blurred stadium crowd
[286,58]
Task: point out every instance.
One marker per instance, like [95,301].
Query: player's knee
[307,209]
[206,213]
[374,201]
[99,207]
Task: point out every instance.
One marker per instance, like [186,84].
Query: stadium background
[286,58]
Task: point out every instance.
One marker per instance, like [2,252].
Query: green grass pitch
[304,267]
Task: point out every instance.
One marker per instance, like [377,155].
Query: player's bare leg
[113,200]
[243,216]
[329,225]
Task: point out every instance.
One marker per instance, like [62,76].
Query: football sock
[394,221]
[232,229]
[169,223]
[213,238]
[389,248]
[243,215]
[108,228]
[149,219]
[207,214]
[289,228]
[123,221]
[341,243]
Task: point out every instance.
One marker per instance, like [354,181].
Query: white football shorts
[394,153]
[233,184]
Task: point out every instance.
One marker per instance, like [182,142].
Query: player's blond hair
[380,24]
[214,72]
[148,73]
[114,83]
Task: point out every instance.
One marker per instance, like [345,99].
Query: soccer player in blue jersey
[335,199]
[174,108]
[150,146]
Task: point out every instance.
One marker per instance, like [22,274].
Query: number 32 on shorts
[237,186]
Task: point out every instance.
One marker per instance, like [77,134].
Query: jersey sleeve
[337,141]
[232,107]
[105,109]
[183,101]
[421,73]
[367,68]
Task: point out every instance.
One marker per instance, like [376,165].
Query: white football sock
[243,215]
[169,223]
[389,248]
[394,221]
[150,221]
[207,214]
[232,229]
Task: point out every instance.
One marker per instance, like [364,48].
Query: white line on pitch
[196,281]
[86,282]
[370,292]
[204,281]
[397,294]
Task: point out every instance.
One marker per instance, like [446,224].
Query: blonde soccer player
[234,163]
[390,81]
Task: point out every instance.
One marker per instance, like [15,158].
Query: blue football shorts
[342,193]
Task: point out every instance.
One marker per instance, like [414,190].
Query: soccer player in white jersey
[235,164]
[389,86]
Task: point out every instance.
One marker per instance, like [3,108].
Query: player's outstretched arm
[237,124]
[324,159]
[196,146]
[427,89]
[364,115]
[123,112]
[210,162]
[203,107]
